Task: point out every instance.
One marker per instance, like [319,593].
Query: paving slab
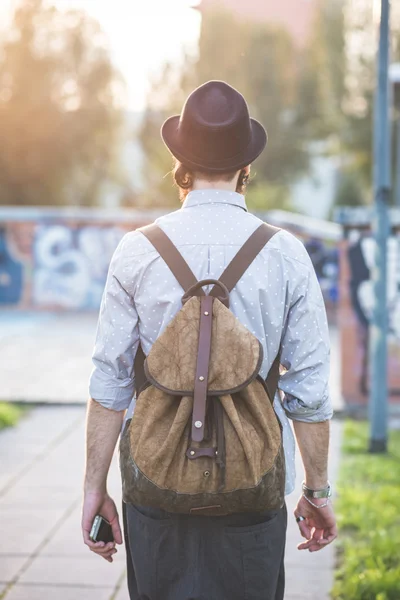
[122,593]
[78,571]
[38,431]
[62,345]
[10,566]
[26,529]
[39,497]
[306,583]
[50,592]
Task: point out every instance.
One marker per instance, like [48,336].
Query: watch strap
[321,493]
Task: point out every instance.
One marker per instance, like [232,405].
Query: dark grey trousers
[183,557]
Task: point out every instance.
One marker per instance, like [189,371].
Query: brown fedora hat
[214,131]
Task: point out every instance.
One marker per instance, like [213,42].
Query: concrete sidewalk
[43,556]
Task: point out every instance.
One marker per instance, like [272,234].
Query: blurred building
[294,15]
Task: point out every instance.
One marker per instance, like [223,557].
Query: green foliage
[368,510]
[349,191]
[59,114]
[9,414]
[322,75]
[265,196]
[361,82]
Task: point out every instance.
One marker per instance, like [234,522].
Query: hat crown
[214,132]
[215,104]
[215,121]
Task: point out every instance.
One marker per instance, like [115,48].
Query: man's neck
[228,186]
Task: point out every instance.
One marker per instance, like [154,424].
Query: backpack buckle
[192,291]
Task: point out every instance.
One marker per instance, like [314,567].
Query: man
[177,557]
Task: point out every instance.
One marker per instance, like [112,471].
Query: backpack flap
[235,358]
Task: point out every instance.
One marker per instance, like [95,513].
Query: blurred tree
[323,92]
[322,73]
[59,108]
[268,196]
[257,60]
[349,191]
[358,106]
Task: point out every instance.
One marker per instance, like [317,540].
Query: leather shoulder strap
[173,258]
[273,377]
[245,256]
[181,272]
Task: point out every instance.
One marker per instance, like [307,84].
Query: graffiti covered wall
[70,264]
[57,259]
[15,263]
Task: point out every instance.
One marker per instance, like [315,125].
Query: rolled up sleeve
[305,354]
[112,380]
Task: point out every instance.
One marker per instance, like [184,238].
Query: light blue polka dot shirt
[278,299]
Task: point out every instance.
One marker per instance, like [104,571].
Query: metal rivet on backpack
[192,453]
[206,473]
[206,313]
[201,378]
[198,424]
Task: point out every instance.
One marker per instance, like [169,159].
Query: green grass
[368,511]
[9,414]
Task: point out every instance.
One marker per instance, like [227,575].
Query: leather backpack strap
[138,369]
[273,377]
[172,257]
[235,270]
[245,256]
[181,272]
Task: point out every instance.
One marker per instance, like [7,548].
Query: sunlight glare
[143,35]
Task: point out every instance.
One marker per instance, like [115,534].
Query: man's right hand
[319,527]
[99,503]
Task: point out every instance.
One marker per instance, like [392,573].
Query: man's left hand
[318,525]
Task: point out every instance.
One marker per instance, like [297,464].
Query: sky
[142,34]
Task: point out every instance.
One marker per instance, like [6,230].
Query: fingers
[106,551]
[319,539]
[329,535]
[310,545]
[116,529]
[305,529]
[86,534]
[87,520]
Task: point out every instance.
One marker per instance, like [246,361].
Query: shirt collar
[212,196]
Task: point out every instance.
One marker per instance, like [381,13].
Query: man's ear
[247,169]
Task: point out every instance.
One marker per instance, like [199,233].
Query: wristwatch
[321,493]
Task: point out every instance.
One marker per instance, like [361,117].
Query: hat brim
[258,141]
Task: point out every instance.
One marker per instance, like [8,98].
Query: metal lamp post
[394,78]
[378,401]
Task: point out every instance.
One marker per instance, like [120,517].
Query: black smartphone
[101,530]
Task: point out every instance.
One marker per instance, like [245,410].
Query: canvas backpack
[204,438]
